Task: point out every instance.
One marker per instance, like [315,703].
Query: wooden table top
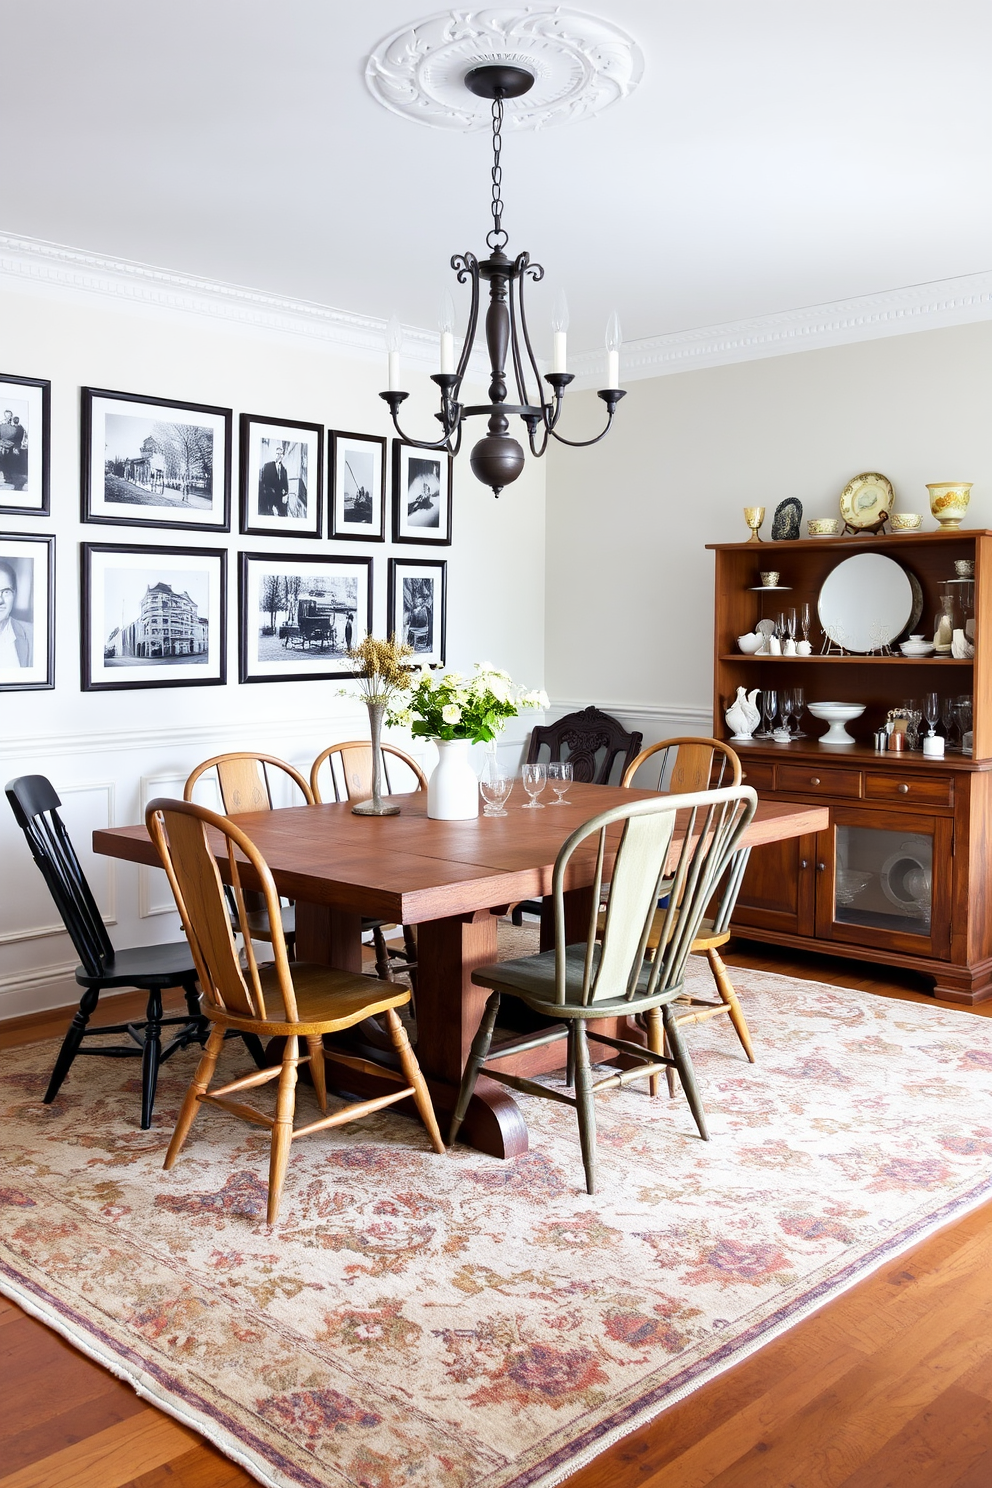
[408,869]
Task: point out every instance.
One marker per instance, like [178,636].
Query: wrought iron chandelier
[498,458]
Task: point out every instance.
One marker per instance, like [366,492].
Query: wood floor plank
[108,1458]
[202,1467]
[65,1425]
[952,1436]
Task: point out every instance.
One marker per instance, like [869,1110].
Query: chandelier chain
[497,237]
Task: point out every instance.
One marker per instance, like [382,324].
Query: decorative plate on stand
[866,502]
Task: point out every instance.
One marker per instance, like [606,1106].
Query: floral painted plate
[867,500]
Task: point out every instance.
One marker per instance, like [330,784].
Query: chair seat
[258,923]
[533,979]
[706,939]
[150,967]
[326,1000]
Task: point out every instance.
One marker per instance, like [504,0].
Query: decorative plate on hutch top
[866,501]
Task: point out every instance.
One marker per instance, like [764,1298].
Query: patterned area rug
[418,1321]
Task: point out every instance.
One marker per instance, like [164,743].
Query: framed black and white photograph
[25,439]
[417,608]
[27,612]
[299,616]
[358,486]
[153,462]
[421,495]
[282,480]
[153,617]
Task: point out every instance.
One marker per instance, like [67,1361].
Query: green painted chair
[684,844]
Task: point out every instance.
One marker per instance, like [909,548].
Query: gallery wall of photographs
[155,611]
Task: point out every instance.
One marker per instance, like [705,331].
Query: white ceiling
[778,153]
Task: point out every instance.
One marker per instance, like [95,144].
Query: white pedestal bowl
[836,714]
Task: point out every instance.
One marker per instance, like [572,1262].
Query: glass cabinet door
[885,880]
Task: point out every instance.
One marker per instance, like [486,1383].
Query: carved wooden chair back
[349,770]
[243,780]
[713,824]
[686,764]
[179,832]
[591,740]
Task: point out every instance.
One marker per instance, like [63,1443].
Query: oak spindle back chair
[692,764]
[152,969]
[244,785]
[615,972]
[289,1000]
[348,775]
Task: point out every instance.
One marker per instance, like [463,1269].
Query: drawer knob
[821,867]
[804,862]
[904,789]
[814,780]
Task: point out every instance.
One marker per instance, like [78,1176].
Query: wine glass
[931,711]
[560,776]
[798,709]
[948,708]
[791,622]
[805,621]
[495,783]
[788,707]
[535,778]
[769,712]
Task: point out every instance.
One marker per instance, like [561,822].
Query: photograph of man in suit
[13,457]
[16,636]
[273,486]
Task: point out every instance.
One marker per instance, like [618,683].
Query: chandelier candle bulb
[559,325]
[394,340]
[446,323]
[613,340]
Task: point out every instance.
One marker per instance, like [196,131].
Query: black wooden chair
[152,969]
[592,742]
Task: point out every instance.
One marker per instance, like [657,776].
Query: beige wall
[108,753]
[629,583]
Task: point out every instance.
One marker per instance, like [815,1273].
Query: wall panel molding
[205,736]
[108,910]
[660,716]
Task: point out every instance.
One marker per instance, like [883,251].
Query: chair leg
[381,955]
[516,916]
[680,1053]
[318,1068]
[411,1069]
[151,1055]
[585,1106]
[669,1071]
[656,1043]
[71,1042]
[197,1086]
[282,1132]
[725,987]
[570,1057]
[476,1059]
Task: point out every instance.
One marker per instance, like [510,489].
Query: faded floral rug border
[417,1321]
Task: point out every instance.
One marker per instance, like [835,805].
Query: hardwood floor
[890,1386]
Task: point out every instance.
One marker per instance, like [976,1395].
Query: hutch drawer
[933,790]
[758,774]
[816,780]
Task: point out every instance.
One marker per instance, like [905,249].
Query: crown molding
[55,269]
[893,312]
[71,272]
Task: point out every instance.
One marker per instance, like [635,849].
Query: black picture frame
[339,444]
[299,468]
[163,475]
[296,648]
[397,624]
[96,563]
[34,395]
[412,527]
[35,653]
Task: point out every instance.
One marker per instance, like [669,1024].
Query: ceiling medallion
[580,64]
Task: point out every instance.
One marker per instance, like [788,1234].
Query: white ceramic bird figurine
[743,714]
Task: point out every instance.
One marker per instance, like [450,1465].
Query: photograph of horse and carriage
[301,616]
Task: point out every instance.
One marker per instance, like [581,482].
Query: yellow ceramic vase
[949,501]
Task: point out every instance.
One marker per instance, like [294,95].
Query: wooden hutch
[891,814]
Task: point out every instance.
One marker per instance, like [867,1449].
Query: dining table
[452,880]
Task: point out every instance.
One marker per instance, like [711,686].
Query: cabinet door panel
[885,879]
[778,891]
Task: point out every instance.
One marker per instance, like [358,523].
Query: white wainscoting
[36,956]
[655,721]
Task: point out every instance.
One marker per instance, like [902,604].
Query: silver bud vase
[374,805]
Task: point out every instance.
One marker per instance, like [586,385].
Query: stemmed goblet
[787,706]
[560,777]
[798,709]
[535,778]
[495,783]
[931,711]
[769,712]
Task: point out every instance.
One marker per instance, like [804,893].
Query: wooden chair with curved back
[349,768]
[243,781]
[287,1000]
[688,764]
